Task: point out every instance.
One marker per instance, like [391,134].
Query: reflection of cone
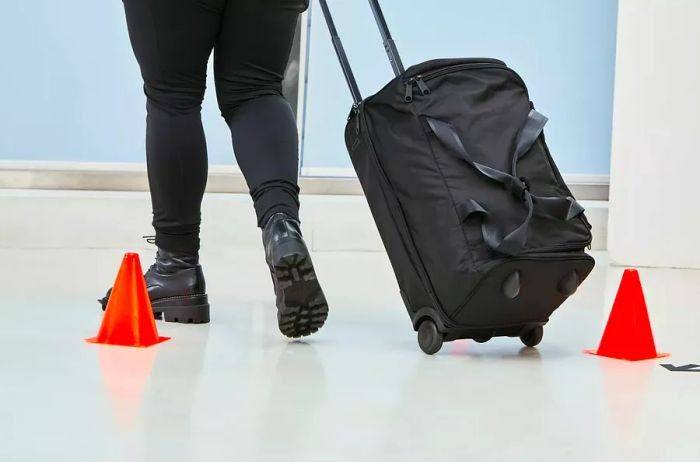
[626,390]
[628,332]
[125,371]
[128,319]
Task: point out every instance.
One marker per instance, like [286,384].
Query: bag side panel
[487,107]
[424,197]
[388,217]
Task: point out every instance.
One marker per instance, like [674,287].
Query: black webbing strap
[530,131]
[510,244]
[449,137]
[563,208]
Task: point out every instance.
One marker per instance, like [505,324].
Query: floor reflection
[500,349]
[429,397]
[125,371]
[171,397]
[626,388]
[296,393]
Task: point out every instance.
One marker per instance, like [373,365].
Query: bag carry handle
[389,46]
[561,208]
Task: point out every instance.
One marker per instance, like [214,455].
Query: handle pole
[389,45]
[340,52]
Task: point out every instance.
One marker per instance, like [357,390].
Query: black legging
[251,39]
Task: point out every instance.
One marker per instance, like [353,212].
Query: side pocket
[476,249]
[388,216]
[399,224]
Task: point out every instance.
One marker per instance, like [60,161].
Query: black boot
[301,305]
[176,288]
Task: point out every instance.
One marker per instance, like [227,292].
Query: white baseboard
[103,176]
[583,186]
[46,219]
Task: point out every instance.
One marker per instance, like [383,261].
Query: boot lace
[154,266]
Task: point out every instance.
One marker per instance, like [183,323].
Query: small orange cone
[128,319]
[628,332]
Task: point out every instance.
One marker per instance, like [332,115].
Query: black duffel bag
[484,236]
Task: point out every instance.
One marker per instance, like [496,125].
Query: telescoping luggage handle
[389,46]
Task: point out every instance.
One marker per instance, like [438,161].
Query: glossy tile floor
[359,390]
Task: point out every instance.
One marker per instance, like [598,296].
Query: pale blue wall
[71,89]
[563,49]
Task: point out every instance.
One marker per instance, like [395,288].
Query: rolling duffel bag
[484,236]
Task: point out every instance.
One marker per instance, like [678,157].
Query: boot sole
[305,308]
[184,309]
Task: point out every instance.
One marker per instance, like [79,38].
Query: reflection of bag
[483,234]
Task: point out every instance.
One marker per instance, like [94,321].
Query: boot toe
[104,300]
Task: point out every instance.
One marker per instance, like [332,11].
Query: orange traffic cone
[628,332]
[128,319]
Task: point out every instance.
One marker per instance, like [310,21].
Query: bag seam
[424,278]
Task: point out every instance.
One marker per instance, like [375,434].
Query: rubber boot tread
[302,306]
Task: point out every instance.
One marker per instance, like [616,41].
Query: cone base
[95,340]
[658,355]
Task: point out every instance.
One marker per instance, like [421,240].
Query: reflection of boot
[169,399]
[176,288]
[297,392]
[301,305]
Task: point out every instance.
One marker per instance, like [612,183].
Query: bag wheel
[429,338]
[482,339]
[532,337]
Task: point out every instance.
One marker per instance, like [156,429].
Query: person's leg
[250,59]
[172,41]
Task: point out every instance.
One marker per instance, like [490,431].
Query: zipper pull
[408,96]
[353,111]
[422,86]
[356,114]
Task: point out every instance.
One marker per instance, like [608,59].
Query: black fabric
[531,130]
[564,208]
[450,138]
[460,182]
[251,39]
[509,244]
[265,143]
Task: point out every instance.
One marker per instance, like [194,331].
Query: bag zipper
[417,80]
[420,79]
[569,246]
[408,95]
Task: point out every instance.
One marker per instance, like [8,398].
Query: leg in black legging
[172,41]
[251,55]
